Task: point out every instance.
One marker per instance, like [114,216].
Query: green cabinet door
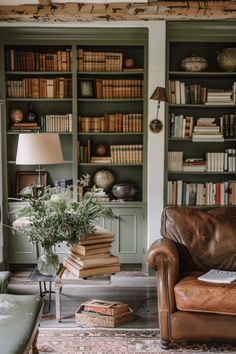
[128,228]
[20,250]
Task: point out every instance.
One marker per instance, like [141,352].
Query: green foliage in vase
[54,217]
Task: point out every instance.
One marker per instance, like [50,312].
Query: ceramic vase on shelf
[31,116]
[48,262]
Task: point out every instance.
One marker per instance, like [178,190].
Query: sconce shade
[39,149]
[159,94]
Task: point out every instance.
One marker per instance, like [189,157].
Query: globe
[16,115]
[104,179]
[101,150]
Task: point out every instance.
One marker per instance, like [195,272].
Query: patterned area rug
[117,341]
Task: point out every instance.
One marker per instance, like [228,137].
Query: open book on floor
[218,276]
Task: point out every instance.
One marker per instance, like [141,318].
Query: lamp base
[155,125]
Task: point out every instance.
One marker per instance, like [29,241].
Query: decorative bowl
[125,191]
[194,63]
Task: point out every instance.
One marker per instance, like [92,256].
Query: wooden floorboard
[132,287]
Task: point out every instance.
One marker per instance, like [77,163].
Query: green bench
[19,320]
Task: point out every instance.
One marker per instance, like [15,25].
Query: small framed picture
[29,179]
[86,88]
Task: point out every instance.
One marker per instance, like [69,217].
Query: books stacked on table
[103,313]
[92,256]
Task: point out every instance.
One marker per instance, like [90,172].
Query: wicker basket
[92,319]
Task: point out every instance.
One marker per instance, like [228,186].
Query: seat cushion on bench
[4,279]
[192,294]
[19,316]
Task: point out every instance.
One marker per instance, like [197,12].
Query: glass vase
[48,262]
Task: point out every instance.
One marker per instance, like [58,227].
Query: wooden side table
[66,277]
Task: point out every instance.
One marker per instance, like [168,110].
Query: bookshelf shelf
[110,73]
[111,164]
[203,74]
[109,133]
[110,100]
[199,173]
[199,108]
[41,73]
[40,99]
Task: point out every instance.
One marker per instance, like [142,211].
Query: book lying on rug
[218,276]
[111,308]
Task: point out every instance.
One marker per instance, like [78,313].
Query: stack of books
[101,159]
[218,96]
[206,129]
[102,313]
[195,164]
[101,195]
[25,127]
[91,256]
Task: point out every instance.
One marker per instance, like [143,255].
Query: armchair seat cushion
[194,295]
[19,316]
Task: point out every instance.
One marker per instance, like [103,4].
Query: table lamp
[39,149]
[159,94]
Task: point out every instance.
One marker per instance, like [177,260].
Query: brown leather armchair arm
[163,257]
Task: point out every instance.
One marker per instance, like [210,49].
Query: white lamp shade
[39,149]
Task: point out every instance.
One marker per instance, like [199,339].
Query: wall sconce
[159,94]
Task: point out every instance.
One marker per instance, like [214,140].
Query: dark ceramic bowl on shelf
[125,191]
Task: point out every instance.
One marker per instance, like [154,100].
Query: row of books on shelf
[199,194]
[183,93]
[213,162]
[38,87]
[112,122]
[132,154]
[127,153]
[118,88]
[19,60]
[51,123]
[57,123]
[99,61]
[218,128]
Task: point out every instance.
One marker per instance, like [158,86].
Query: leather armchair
[193,242]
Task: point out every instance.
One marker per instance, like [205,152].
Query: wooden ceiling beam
[49,11]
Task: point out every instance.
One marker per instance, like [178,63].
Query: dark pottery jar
[31,116]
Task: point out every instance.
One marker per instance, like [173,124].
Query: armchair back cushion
[205,239]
